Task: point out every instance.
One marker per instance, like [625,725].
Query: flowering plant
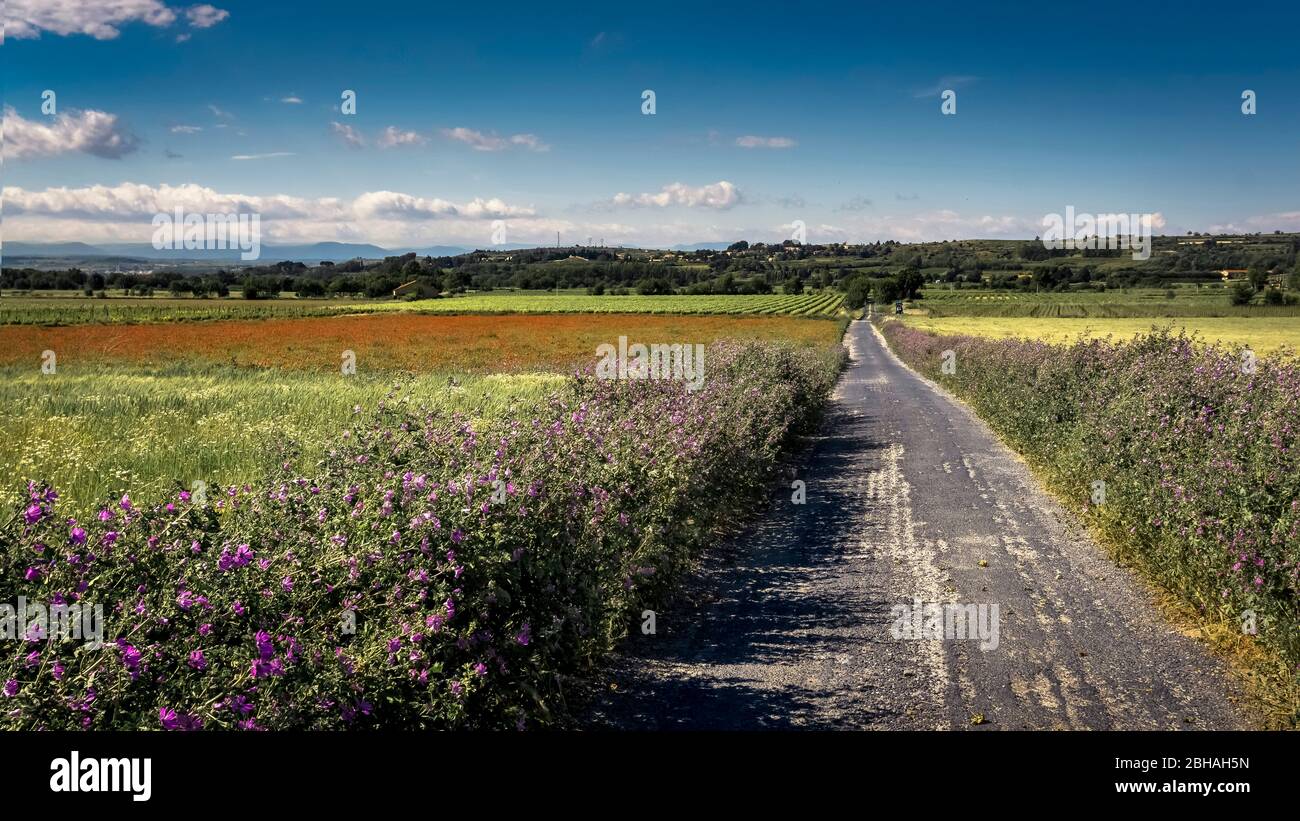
[432,571]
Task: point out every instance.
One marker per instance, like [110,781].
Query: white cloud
[350,136]
[134,201]
[484,141]
[394,205]
[185,129]
[1263,224]
[124,213]
[393,137]
[26,19]
[101,19]
[266,156]
[220,113]
[205,16]
[529,141]
[719,195]
[750,141]
[91,132]
[934,226]
[291,100]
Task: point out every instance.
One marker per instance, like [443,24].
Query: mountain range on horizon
[319,251]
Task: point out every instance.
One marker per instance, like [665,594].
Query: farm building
[416,287]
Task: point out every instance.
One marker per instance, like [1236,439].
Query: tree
[856,292]
[909,282]
[793,285]
[1258,277]
[887,290]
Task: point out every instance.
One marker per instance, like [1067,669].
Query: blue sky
[765,114]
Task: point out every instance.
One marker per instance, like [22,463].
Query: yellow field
[1264,335]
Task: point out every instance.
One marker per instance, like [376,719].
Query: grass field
[1263,335]
[1058,317]
[140,407]
[76,310]
[1186,301]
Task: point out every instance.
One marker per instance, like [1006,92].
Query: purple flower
[130,658]
[265,648]
[197,660]
[33,514]
[171,720]
[11,688]
[525,635]
[78,536]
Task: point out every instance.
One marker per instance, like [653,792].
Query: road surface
[911,499]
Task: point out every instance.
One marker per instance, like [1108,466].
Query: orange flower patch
[398,342]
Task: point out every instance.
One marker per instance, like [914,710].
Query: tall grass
[119,428]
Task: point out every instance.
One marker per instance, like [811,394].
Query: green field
[67,310]
[126,428]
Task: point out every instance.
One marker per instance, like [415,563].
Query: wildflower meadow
[432,570]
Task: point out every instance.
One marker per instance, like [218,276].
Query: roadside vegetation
[431,570]
[1183,456]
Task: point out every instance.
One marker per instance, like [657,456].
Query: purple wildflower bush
[1199,453]
[434,571]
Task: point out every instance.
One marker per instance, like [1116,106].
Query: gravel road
[911,499]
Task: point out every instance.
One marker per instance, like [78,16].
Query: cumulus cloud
[349,135]
[205,16]
[1264,223]
[490,141]
[391,204]
[91,132]
[719,195]
[134,201]
[392,137]
[937,225]
[750,141]
[101,19]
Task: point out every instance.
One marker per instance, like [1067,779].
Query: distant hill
[702,246]
[315,252]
